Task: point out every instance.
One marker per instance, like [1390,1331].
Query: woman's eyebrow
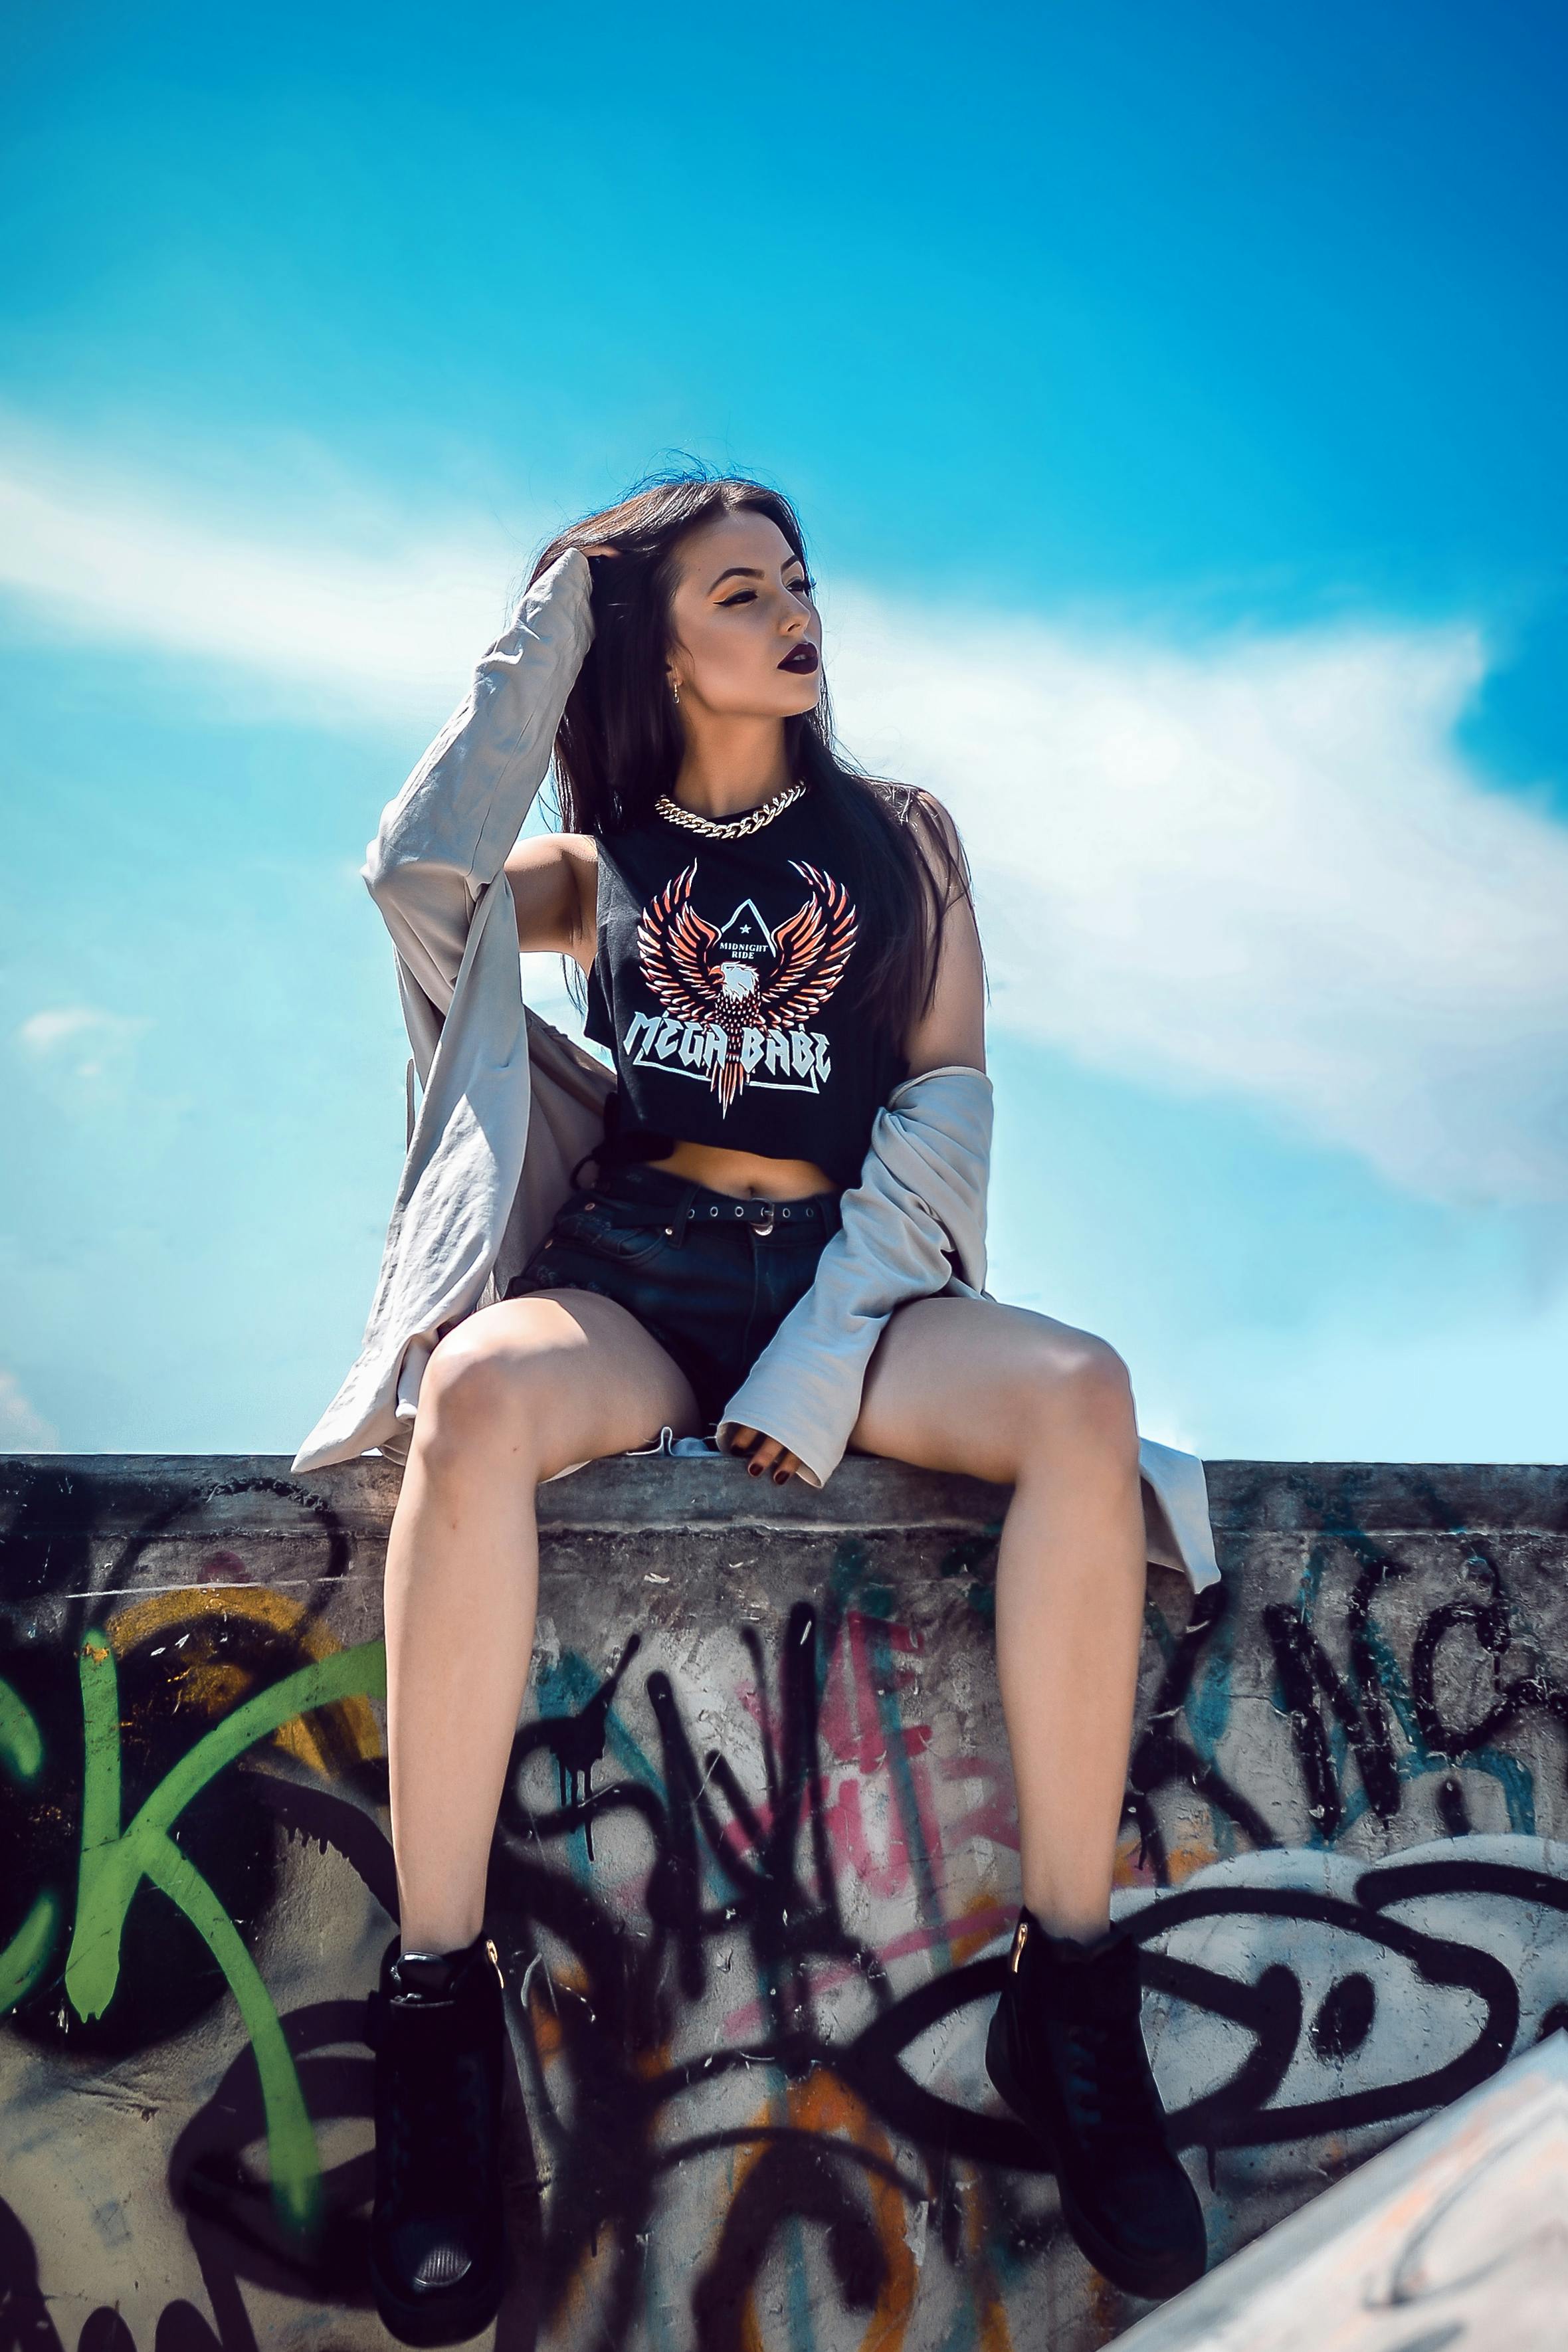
[751,572]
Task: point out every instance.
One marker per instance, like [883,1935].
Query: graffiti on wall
[751,1888]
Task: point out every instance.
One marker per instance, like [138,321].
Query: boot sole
[427,2322]
[1154,2284]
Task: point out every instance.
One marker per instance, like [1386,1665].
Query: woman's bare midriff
[745,1173]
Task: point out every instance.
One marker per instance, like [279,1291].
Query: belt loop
[678,1219]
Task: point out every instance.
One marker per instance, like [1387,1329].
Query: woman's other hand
[763,1454]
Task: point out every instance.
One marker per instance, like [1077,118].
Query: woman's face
[746,639]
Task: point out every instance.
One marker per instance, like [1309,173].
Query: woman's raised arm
[445,837]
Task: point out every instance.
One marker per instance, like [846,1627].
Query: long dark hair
[619,744]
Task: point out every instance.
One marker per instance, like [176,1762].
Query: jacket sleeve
[913,1226]
[445,837]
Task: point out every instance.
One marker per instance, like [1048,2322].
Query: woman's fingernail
[780,1476]
[754,1469]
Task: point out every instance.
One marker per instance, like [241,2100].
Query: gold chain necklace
[729,828]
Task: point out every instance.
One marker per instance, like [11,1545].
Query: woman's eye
[749,595]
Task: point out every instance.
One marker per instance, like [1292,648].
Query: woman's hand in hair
[764,1456]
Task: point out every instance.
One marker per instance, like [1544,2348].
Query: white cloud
[44,1032]
[88,1051]
[23,1429]
[357,617]
[1255,866]
[1259,865]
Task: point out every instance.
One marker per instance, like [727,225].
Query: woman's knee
[1077,1378]
[475,1395]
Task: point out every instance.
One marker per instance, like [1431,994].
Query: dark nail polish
[780,1477]
[754,1469]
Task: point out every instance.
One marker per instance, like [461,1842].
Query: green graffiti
[26,1956]
[21,1741]
[23,1960]
[115,1860]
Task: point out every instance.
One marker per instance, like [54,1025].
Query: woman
[778,952]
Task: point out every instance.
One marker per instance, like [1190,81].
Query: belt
[694,1208]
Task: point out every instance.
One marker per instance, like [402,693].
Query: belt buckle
[763,1231]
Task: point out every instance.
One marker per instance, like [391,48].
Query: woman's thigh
[970,1384]
[561,1376]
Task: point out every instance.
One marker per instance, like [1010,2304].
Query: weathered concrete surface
[752,1886]
[1456,2236]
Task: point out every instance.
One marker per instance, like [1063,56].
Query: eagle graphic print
[738,997]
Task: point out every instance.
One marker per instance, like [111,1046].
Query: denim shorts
[710,1276]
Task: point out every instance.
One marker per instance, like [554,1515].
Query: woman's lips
[804,658]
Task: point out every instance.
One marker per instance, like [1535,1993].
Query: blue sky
[1173,398]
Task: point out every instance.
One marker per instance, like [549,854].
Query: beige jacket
[508,1106]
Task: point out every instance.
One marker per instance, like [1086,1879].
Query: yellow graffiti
[193,1620]
[821,2105]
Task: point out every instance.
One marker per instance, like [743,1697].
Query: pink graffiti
[978,1928]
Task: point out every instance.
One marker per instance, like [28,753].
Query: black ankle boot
[1066,2051]
[437,2251]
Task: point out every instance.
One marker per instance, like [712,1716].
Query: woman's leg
[1001,1393]
[970,1384]
[514,1394]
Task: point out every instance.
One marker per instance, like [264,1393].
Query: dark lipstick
[802,657]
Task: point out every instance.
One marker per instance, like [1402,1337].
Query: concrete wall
[752,1886]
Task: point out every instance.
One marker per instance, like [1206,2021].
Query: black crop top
[725,982]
